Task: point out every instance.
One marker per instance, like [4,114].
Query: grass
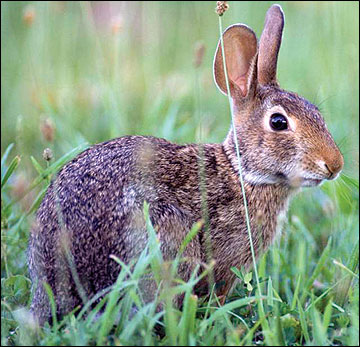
[103,76]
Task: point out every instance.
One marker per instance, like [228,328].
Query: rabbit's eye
[278,122]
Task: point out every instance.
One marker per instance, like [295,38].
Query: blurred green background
[75,72]
[105,69]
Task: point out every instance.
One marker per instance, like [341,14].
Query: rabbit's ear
[240,45]
[270,44]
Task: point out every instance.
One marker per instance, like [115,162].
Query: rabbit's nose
[334,165]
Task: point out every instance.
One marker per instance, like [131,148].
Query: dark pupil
[278,122]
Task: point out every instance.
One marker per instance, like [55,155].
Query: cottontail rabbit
[97,199]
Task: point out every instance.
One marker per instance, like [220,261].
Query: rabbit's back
[94,209]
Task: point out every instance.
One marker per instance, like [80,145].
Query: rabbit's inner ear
[239,60]
[240,45]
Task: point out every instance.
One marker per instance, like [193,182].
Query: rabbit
[94,206]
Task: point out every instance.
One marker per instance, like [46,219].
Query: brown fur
[94,207]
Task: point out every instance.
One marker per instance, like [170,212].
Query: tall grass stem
[260,303]
[239,158]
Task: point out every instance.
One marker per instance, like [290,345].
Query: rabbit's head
[282,137]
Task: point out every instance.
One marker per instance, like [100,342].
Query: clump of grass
[309,283]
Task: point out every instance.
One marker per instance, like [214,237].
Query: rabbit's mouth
[311,182]
[299,181]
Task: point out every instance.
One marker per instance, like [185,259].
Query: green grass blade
[270,293]
[247,340]
[190,235]
[296,293]
[55,167]
[318,331]
[223,310]
[323,258]
[279,329]
[353,263]
[50,294]
[187,321]
[327,315]
[37,166]
[303,323]
[10,170]
[5,156]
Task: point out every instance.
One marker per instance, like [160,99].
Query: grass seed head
[19,186]
[47,154]
[221,7]
[199,52]
[29,15]
[116,25]
[47,129]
